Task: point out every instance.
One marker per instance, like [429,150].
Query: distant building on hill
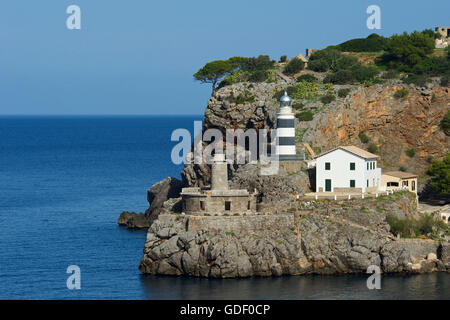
[444,41]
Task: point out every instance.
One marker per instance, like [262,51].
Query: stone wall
[322,238]
[212,205]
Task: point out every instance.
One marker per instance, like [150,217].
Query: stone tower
[285,148]
[219,173]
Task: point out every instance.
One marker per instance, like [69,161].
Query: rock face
[322,238]
[156,196]
[275,191]
[394,125]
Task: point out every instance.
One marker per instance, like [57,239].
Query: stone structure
[218,199]
[309,52]
[444,41]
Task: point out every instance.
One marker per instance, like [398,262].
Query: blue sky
[138,56]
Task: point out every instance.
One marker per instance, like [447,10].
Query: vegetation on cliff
[425,226]
[440,175]
[356,61]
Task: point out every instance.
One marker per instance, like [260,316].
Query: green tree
[294,65]
[213,71]
[440,175]
[445,123]
[406,50]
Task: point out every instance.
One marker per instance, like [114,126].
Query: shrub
[445,123]
[403,52]
[298,105]
[402,227]
[391,74]
[344,62]
[342,93]
[258,76]
[326,99]
[440,177]
[401,94]
[444,81]
[402,169]
[294,65]
[290,90]
[323,60]
[373,148]
[362,136]
[418,80]
[305,116]
[364,73]
[410,153]
[244,97]
[262,62]
[318,65]
[372,43]
[339,77]
[424,226]
[307,78]
[283,58]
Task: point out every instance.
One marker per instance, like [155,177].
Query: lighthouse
[285,147]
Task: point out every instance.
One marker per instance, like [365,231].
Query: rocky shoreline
[322,238]
[289,237]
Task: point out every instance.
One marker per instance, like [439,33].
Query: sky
[137,57]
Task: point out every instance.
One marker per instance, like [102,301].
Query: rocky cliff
[394,125]
[317,237]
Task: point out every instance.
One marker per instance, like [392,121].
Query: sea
[64,180]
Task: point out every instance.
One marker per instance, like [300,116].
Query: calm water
[64,181]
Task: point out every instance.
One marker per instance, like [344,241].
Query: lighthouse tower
[285,147]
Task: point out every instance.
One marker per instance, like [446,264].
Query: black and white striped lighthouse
[285,148]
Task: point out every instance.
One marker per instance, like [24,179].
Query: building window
[367,183]
[327,166]
[227,205]
[413,185]
[352,183]
[367,166]
[392,184]
[352,166]
[248,206]
[202,205]
[327,185]
[405,183]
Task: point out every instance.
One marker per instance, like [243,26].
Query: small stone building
[218,199]
[444,31]
[444,41]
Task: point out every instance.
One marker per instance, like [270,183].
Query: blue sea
[64,182]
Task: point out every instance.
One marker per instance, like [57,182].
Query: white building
[347,169]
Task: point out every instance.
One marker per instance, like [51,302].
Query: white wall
[340,173]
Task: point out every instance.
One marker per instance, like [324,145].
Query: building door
[327,185]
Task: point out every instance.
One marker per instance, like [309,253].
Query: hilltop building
[218,199]
[445,37]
